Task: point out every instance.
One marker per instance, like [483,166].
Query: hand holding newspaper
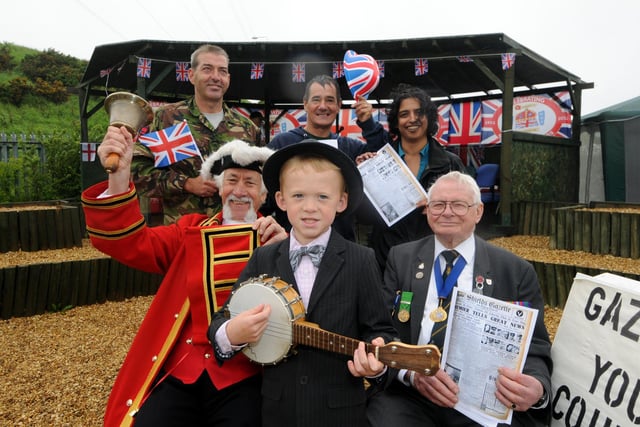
[482,335]
[390,185]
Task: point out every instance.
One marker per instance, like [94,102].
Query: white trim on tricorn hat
[313,148]
[235,154]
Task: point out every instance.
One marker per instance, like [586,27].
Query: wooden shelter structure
[532,166]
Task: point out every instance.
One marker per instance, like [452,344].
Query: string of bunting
[298,69]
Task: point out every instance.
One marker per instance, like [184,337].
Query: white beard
[249,218]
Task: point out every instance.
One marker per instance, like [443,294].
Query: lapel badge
[480,282]
[419,275]
[421,266]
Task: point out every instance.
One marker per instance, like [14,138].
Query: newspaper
[483,334]
[390,186]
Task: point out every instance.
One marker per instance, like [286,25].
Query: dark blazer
[314,387]
[511,279]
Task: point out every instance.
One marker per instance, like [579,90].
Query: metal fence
[14,145]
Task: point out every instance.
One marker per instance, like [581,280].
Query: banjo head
[286,307]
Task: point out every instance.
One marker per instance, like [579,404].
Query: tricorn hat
[235,154]
[313,148]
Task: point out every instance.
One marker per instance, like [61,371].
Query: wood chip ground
[57,369]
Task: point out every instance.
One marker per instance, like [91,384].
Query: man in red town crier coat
[170,376]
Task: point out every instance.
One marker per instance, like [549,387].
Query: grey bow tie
[314,252]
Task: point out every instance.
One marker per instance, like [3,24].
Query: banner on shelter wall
[480,123]
[596,375]
[539,114]
[286,120]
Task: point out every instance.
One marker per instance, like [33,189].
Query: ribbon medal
[404,311]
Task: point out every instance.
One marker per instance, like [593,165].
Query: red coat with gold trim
[195,284]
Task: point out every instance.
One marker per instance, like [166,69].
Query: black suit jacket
[511,278]
[314,387]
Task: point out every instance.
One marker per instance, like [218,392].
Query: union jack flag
[508,59]
[421,66]
[170,145]
[338,69]
[348,124]
[144,68]
[491,122]
[465,124]
[182,71]
[106,72]
[465,58]
[297,72]
[442,135]
[475,156]
[381,68]
[257,70]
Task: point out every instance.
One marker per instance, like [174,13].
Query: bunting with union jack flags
[297,72]
[144,68]
[338,69]
[182,71]
[421,66]
[508,59]
[380,68]
[170,145]
[257,70]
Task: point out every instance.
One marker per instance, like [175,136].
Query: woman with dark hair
[413,122]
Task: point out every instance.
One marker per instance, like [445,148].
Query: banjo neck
[420,358]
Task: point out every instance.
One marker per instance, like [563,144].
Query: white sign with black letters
[596,352]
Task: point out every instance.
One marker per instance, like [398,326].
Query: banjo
[287,327]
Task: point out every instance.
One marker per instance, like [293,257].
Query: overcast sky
[594,40]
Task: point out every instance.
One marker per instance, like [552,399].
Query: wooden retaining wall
[599,231]
[532,218]
[45,225]
[556,280]
[38,288]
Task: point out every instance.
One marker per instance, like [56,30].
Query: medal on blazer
[404,311]
[444,287]
[439,314]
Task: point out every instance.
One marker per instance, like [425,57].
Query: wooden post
[577,228]
[634,231]
[506,156]
[605,232]
[595,233]
[586,230]
[615,234]
[625,237]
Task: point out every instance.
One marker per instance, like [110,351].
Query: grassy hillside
[41,117]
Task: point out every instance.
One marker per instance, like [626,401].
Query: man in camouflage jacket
[212,123]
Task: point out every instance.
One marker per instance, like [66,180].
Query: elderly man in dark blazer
[413,399]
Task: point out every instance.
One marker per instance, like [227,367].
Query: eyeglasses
[457,207]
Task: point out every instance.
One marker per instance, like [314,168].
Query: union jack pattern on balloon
[362,74]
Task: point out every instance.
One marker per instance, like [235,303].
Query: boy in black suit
[338,282]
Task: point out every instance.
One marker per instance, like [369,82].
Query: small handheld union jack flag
[170,145]
[421,66]
[182,71]
[144,68]
[297,72]
[508,59]
[338,69]
[257,70]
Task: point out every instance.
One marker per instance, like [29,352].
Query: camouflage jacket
[167,183]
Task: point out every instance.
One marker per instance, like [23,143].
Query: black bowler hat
[313,148]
